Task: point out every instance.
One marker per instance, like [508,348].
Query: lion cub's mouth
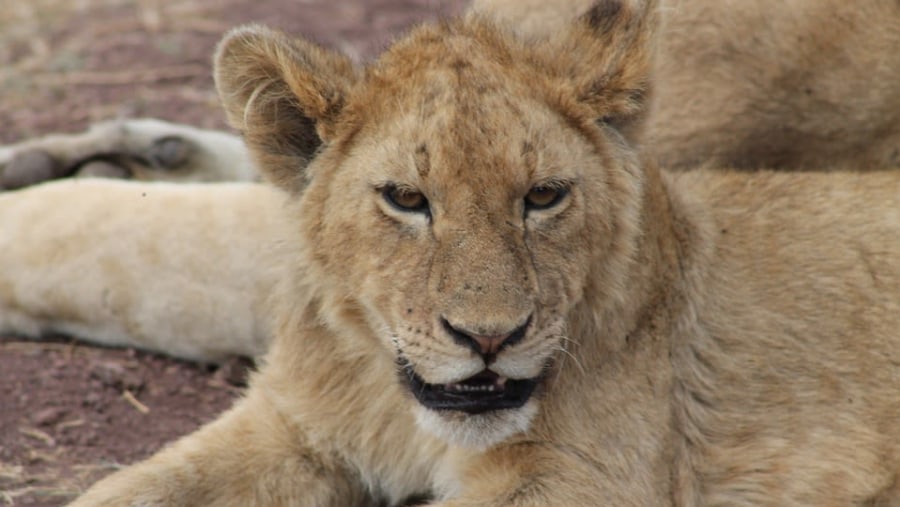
[483,392]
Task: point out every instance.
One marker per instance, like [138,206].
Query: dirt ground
[71,413]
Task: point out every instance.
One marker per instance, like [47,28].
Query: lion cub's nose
[485,345]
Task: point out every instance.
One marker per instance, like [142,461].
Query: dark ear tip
[602,15]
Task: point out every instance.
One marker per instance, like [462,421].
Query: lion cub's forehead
[461,47]
[462,102]
[465,65]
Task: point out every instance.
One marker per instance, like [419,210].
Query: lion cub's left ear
[284,95]
[606,58]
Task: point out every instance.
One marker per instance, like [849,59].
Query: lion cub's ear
[608,58]
[284,95]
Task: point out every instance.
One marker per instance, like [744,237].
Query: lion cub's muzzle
[484,391]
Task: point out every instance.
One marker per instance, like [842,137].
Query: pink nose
[486,346]
[490,344]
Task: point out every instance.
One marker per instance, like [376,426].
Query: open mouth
[483,392]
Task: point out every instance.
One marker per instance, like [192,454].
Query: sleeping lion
[488,294]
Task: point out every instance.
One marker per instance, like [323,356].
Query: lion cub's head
[460,196]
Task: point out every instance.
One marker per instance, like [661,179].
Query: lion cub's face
[457,221]
[458,197]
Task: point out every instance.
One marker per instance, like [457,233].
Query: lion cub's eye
[543,197]
[405,199]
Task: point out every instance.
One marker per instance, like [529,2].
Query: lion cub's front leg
[250,456]
[542,473]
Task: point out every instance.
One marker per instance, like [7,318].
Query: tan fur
[706,338]
[180,268]
[763,83]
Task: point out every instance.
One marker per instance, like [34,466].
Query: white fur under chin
[476,431]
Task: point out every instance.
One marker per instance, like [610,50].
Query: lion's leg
[252,455]
[143,149]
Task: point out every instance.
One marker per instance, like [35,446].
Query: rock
[91,399]
[48,416]
[114,375]
[234,371]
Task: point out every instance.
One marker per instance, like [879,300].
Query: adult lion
[496,301]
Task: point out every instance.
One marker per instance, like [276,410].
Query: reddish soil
[71,413]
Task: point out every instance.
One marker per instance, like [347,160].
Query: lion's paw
[29,167]
[142,149]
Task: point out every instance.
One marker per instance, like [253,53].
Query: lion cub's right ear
[284,95]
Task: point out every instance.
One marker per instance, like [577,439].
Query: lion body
[799,84]
[698,338]
[131,267]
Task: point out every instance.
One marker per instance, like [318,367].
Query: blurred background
[66,63]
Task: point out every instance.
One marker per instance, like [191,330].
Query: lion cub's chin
[476,431]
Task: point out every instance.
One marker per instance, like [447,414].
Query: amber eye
[405,199]
[543,197]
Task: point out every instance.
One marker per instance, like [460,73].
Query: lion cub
[494,301]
